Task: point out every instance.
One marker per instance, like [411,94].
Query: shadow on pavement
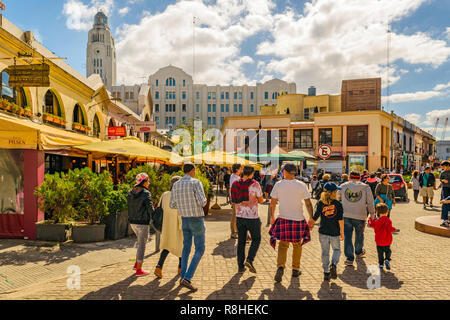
[233,290]
[219,215]
[280,292]
[118,291]
[226,249]
[331,291]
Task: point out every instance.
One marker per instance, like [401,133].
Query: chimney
[312,91]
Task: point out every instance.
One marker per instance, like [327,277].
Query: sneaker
[333,271]
[135,266]
[158,272]
[279,274]
[362,254]
[381,267]
[242,270]
[431,205]
[326,276]
[187,284]
[445,224]
[140,273]
[250,266]
[424,206]
[387,264]
[348,263]
[296,273]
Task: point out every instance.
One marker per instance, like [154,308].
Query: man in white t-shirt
[290,225]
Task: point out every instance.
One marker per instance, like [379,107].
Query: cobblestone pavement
[420,266]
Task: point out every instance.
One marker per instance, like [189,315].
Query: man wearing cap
[189,198]
[290,226]
[356,199]
[427,186]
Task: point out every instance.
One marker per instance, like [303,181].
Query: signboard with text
[117,131]
[147,126]
[35,75]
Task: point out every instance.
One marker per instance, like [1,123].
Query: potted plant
[49,117]
[55,199]
[91,204]
[28,112]
[57,120]
[15,109]
[76,126]
[116,222]
[6,105]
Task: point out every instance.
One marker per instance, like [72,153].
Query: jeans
[283,247]
[141,232]
[325,242]
[254,227]
[416,194]
[192,228]
[445,210]
[358,226]
[384,253]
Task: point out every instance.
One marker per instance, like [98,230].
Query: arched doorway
[14,95]
[96,127]
[79,119]
[52,110]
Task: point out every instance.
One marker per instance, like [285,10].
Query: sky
[310,42]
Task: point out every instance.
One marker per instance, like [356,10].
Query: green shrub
[56,196]
[407,178]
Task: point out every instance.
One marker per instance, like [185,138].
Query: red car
[399,185]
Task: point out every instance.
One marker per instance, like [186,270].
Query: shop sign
[147,126]
[117,131]
[35,75]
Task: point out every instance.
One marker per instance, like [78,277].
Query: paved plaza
[420,265]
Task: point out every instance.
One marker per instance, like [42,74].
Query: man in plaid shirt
[189,198]
[290,226]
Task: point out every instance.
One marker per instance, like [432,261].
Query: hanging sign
[34,75]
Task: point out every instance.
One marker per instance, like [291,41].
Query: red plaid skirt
[289,231]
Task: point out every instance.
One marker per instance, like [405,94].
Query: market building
[44,114]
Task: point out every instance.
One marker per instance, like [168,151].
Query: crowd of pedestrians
[346,205]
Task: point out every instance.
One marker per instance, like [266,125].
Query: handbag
[157,218]
[388,202]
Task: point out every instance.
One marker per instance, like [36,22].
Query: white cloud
[413,118]
[334,40]
[418,70]
[164,38]
[448,33]
[413,96]
[80,16]
[124,11]
[442,86]
[434,114]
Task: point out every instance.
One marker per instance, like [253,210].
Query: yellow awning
[18,133]
[220,158]
[131,147]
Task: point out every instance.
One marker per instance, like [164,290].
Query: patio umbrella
[300,153]
[220,158]
[131,147]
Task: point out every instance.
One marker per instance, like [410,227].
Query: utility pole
[389,37]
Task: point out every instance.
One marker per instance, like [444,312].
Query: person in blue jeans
[331,230]
[356,199]
[189,198]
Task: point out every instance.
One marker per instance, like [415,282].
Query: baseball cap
[330,186]
[141,177]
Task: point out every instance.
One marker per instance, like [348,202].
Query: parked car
[399,185]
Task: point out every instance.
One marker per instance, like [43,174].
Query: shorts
[427,192]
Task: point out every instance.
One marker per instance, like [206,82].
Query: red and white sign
[117,131]
[431,158]
[324,151]
[147,126]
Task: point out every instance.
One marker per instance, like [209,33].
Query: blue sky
[239,41]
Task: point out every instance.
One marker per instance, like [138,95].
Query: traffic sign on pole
[324,151]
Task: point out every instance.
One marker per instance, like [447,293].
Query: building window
[78,116]
[183,107]
[222,108]
[350,93]
[170,82]
[197,95]
[357,136]
[227,108]
[222,96]
[214,96]
[184,118]
[209,120]
[184,95]
[167,108]
[127,95]
[96,127]
[240,108]
[372,91]
[209,108]
[214,108]
[209,95]
[157,120]
[306,113]
[227,95]
[51,103]
[157,95]
[235,95]
[156,107]
[131,95]
[303,139]
[157,82]
[240,95]
[197,107]
[184,83]
[266,95]
[251,95]
[326,136]
[174,105]
[251,108]
[283,138]
[361,92]
[235,108]
[275,95]
[222,120]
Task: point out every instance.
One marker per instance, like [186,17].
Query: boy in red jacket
[383,235]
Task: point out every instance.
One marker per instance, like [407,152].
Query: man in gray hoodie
[356,199]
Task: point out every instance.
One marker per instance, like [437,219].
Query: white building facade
[176,98]
[443,150]
[101,52]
